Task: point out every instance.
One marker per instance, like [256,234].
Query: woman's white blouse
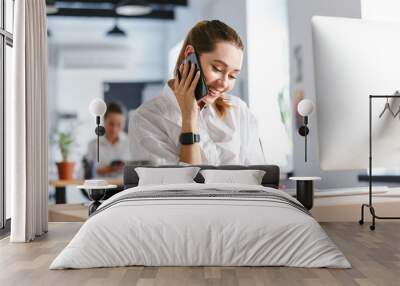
[155,127]
[109,152]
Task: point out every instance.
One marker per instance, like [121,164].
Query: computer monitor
[353,59]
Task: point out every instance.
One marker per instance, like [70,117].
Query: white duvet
[200,231]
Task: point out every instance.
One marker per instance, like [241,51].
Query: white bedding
[200,231]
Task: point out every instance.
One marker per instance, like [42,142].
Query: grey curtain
[27,130]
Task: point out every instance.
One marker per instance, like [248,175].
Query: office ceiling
[161,9]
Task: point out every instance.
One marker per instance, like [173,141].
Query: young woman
[219,129]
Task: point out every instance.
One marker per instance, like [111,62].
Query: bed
[201,224]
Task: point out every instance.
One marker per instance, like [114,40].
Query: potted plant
[65,168]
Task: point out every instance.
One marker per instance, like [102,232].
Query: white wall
[387,10]
[268,75]
[299,15]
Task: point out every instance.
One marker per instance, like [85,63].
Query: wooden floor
[375,257]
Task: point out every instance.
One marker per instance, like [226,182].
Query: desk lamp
[97,108]
[305,108]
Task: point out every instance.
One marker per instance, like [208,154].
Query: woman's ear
[188,50]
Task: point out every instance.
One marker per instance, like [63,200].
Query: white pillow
[163,176]
[248,177]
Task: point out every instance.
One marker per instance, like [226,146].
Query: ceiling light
[116,31]
[133,8]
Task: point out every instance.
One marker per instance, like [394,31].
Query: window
[9,12]
[6,42]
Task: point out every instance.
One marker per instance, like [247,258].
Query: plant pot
[65,170]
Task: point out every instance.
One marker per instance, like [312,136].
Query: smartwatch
[189,138]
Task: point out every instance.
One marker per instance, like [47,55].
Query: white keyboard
[338,192]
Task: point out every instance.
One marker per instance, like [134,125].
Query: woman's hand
[184,87]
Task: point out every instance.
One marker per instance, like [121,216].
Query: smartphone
[201,88]
[116,162]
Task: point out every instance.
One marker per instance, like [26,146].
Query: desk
[61,185]
[388,178]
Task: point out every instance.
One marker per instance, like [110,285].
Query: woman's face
[114,123]
[220,68]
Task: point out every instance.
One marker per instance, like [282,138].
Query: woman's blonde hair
[203,37]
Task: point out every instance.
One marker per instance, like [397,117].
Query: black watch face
[189,138]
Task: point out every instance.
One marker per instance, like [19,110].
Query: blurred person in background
[114,149]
